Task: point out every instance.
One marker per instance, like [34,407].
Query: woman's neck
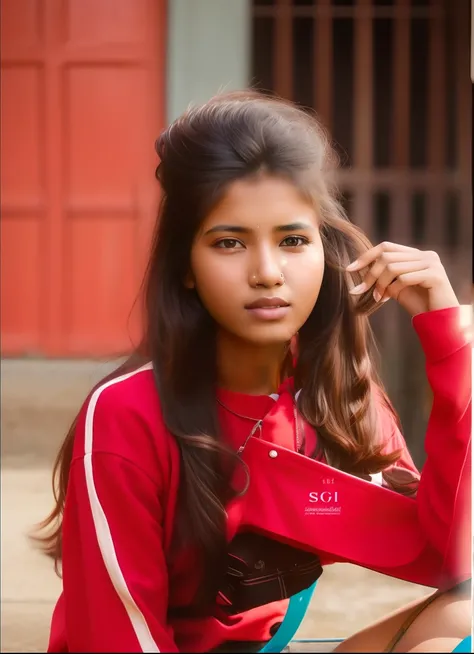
[246,368]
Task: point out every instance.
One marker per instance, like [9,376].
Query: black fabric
[262,570]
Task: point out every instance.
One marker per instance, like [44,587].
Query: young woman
[170,523]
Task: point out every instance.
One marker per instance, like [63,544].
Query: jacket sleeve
[114,569]
[443,495]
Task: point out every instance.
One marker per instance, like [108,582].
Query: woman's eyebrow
[237,229]
[294,227]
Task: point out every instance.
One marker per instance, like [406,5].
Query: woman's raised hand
[414,278]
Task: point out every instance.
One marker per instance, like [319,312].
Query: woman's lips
[268,308]
[270,313]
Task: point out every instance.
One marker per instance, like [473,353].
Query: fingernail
[377,296]
[352,266]
[357,290]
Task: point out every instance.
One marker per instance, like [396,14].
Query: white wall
[208,50]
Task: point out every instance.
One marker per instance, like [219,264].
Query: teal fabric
[294,617]
[464,646]
[297,608]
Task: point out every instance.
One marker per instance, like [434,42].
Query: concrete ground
[38,402]
[29,585]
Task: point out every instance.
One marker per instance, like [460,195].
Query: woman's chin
[270,335]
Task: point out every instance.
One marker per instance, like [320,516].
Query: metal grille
[391,81]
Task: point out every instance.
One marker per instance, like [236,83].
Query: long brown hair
[234,136]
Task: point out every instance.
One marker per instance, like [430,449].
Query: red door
[82,90]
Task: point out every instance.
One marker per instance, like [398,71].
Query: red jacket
[120,572]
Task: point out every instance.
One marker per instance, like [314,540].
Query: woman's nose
[266,272]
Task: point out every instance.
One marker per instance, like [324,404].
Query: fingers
[415,278]
[382,275]
[386,261]
[390,268]
[392,273]
[376,252]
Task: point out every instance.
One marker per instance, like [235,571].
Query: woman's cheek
[218,287]
[218,278]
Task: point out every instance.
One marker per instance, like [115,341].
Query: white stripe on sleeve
[102,529]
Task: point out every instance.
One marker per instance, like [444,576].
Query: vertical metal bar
[437,92]
[400,224]
[363,105]
[363,111]
[401,83]
[436,118]
[323,62]
[463,88]
[464,138]
[283,53]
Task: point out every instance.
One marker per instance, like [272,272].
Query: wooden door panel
[108,140]
[104,122]
[82,102]
[101,259]
[22,142]
[106,21]
[21,23]
[21,284]
[22,181]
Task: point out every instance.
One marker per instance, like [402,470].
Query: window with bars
[391,81]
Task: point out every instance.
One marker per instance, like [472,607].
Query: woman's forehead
[262,203]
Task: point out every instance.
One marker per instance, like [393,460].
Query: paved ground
[38,402]
[29,585]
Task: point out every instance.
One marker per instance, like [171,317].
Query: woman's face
[257,261]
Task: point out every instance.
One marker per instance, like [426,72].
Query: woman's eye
[294,241]
[228,244]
